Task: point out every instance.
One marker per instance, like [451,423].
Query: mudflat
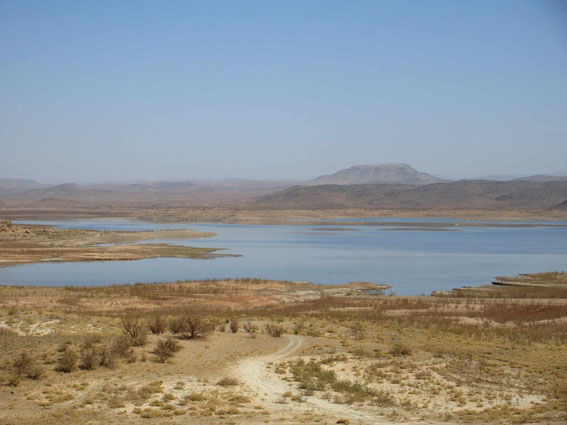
[29,243]
[179,212]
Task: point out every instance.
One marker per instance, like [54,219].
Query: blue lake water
[412,261]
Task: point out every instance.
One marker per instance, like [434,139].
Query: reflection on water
[413,260]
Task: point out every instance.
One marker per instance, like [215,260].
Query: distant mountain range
[20,184]
[184,193]
[467,194]
[378,186]
[376,174]
[542,178]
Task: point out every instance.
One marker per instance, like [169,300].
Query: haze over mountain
[466,194]
[542,178]
[377,174]
[155,193]
[20,184]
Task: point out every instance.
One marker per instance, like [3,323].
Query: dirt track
[254,372]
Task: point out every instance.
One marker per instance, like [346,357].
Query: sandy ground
[254,372]
[377,359]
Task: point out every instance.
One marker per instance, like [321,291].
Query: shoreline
[499,289]
[334,224]
[32,244]
[270,217]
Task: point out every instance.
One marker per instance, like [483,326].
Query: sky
[148,90]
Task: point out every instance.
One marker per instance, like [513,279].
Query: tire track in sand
[254,372]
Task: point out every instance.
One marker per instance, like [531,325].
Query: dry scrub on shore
[177,212]
[393,358]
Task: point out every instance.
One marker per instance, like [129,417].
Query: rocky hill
[376,174]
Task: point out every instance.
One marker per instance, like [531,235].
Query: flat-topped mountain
[376,174]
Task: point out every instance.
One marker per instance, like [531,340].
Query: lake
[413,260]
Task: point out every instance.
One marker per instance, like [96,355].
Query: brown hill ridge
[467,194]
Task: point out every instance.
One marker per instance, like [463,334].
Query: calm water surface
[412,261]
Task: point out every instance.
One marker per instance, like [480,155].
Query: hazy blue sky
[118,90]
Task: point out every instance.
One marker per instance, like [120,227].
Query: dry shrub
[89,355]
[195,325]
[94,355]
[89,358]
[135,330]
[400,349]
[13,379]
[23,365]
[166,348]
[67,361]
[92,340]
[298,327]
[192,397]
[157,323]
[177,325]
[228,382]
[357,331]
[63,346]
[275,330]
[106,358]
[121,346]
[213,323]
[234,324]
[249,327]
[131,356]
[34,372]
